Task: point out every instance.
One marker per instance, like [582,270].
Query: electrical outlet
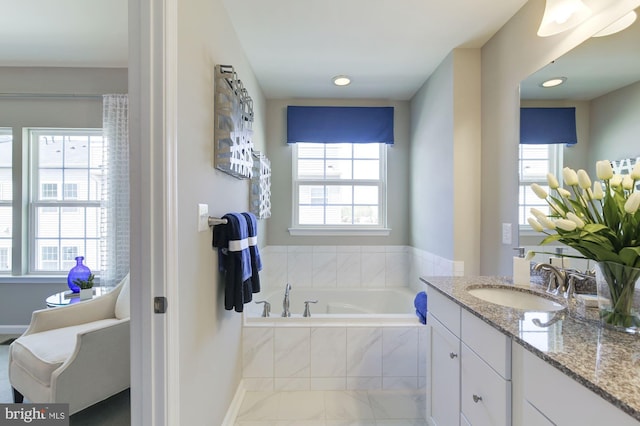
[506,233]
[203,217]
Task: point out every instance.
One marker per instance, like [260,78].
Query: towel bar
[213,221]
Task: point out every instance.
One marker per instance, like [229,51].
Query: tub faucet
[557,279]
[285,302]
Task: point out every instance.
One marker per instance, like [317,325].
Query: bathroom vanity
[490,364]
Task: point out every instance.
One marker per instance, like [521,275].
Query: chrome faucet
[285,302]
[556,281]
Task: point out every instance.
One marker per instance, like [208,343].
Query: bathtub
[355,339]
[337,305]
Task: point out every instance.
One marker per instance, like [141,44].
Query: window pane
[309,194]
[339,169]
[5,255]
[92,217]
[338,215]
[311,215]
[365,195]
[534,169]
[339,194]
[310,169]
[76,151]
[366,215]
[310,150]
[366,150]
[47,222]
[50,151]
[96,152]
[339,150]
[6,142]
[366,169]
[78,179]
[6,186]
[72,225]
[5,222]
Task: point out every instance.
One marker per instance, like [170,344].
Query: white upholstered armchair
[76,354]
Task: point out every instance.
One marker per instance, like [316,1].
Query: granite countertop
[605,361]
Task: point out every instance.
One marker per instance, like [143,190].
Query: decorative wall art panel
[260,194]
[233,122]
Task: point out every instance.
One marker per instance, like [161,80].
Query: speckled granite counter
[605,361]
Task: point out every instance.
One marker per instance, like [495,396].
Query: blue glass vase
[78,272]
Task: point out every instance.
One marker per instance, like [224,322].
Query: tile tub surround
[334,357]
[351,266]
[576,346]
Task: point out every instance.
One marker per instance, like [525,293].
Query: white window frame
[59,204]
[6,190]
[298,229]
[555,156]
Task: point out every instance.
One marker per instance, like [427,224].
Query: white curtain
[115,190]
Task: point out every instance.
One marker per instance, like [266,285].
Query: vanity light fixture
[621,24]
[553,82]
[341,80]
[561,15]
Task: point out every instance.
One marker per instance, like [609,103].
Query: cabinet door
[445,376]
[532,417]
[485,395]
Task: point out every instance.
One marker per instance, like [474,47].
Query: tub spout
[285,303]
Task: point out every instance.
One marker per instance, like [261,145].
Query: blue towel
[256,262]
[420,302]
[234,260]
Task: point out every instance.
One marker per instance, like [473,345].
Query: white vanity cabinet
[550,397]
[470,368]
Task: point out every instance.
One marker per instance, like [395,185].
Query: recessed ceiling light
[553,82]
[621,24]
[341,80]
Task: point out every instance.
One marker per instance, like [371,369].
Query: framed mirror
[601,80]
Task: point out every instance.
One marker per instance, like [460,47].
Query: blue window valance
[548,125]
[329,124]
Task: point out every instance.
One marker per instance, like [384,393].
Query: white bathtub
[337,305]
[355,339]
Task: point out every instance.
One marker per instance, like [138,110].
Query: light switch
[506,233]
[203,217]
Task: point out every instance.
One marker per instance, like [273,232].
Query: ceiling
[596,67]
[388,47]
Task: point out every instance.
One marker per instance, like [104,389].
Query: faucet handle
[307,313]
[267,308]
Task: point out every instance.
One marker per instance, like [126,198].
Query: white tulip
[604,170]
[587,194]
[583,179]
[616,181]
[552,181]
[566,224]
[633,203]
[627,182]
[575,219]
[537,213]
[564,193]
[570,176]
[539,191]
[535,225]
[530,254]
[547,223]
[635,173]
[598,193]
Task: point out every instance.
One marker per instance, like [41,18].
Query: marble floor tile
[259,406]
[301,405]
[398,404]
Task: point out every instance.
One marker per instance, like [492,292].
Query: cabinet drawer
[485,395]
[532,417]
[492,346]
[447,311]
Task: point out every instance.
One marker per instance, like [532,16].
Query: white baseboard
[13,329]
[234,407]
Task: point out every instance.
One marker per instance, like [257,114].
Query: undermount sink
[515,298]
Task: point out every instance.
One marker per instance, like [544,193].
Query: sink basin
[515,298]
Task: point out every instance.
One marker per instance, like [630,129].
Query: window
[339,185]
[64,207]
[6,197]
[535,161]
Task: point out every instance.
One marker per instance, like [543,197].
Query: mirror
[603,84]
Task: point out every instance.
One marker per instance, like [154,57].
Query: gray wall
[20,296]
[210,337]
[279,154]
[615,124]
[445,161]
